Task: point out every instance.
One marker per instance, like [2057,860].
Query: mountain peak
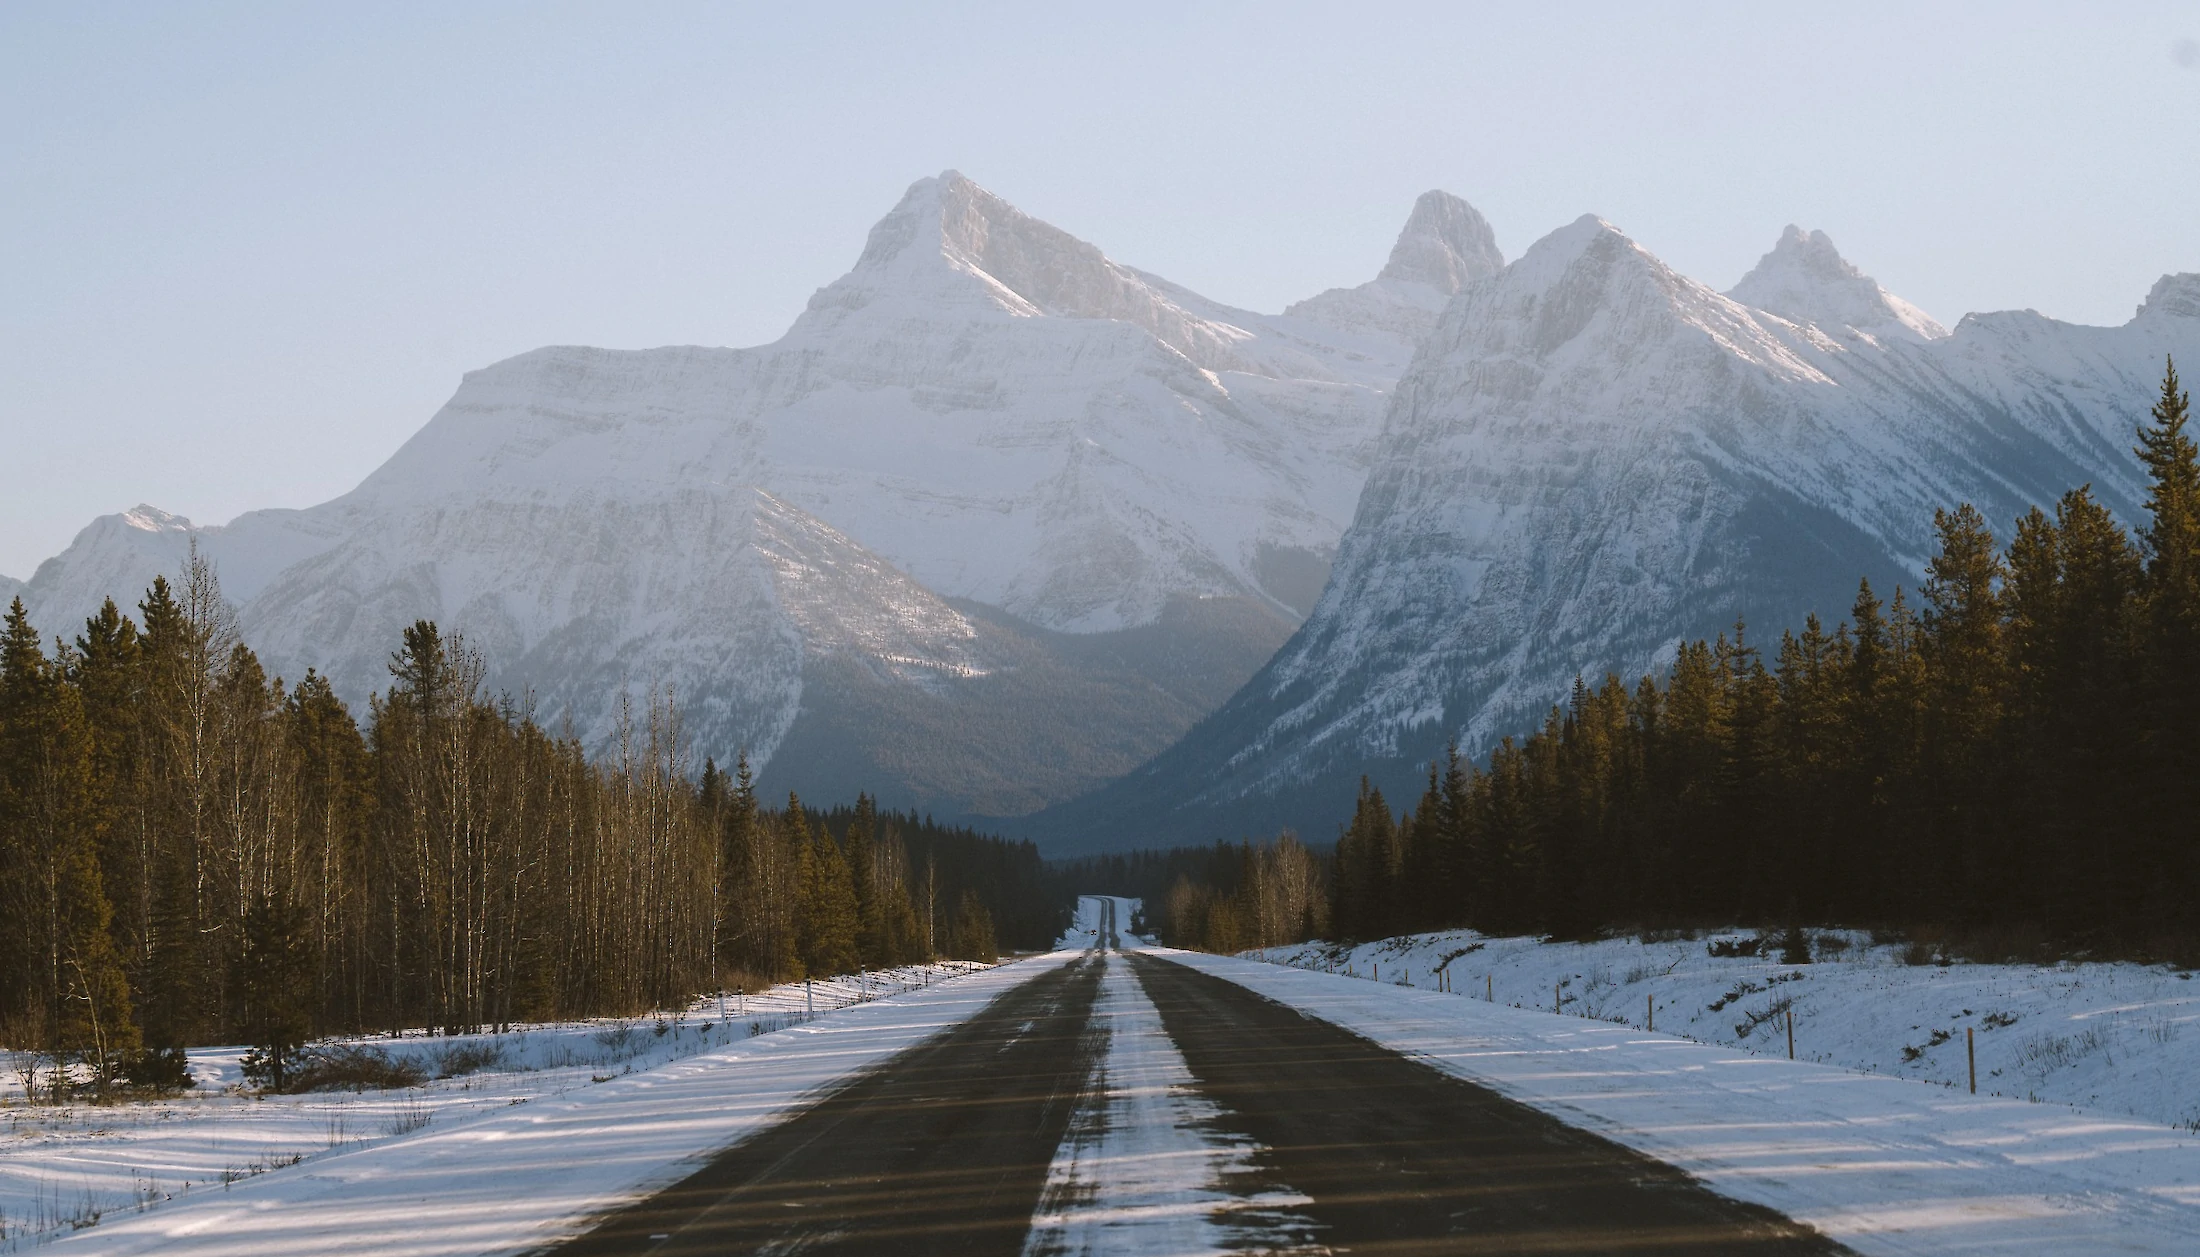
[1806,280]
[1028,265]
[1446,242]
[2173,296]
[153,519]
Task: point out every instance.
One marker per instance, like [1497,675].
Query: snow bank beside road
[1885,1165]
[514,1180]
[2122,1037]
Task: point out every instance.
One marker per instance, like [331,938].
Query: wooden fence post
[1791,1032]
[1490,982]
[1649,1012]
[1970,1049]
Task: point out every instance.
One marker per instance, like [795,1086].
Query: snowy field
[1886,1154]
[2121,1038]
[66,1169]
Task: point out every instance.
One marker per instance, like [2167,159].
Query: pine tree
[65,989]
[828,899]
[1366,868]
[871,940]
[2165,853]
[971,937]
[279,967]
[746,923]
[2172,533]
[2071,594]
[107,672]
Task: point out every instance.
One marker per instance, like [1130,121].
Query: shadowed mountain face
[997,519]
[1594,458]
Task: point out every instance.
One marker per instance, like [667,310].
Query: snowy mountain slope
[9,588]
[984,412]
[1595,457]
[1016,419]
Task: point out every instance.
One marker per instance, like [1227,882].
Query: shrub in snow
[341,1067]
[455,1060]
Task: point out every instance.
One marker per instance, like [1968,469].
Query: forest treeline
[192,851]
[2017,754]
[2012,758]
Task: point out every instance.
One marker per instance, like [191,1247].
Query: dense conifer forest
[192,852]
[2012,757]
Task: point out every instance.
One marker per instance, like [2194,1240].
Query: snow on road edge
[1884,1165]
[513,1183]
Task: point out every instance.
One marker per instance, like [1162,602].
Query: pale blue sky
[246,250]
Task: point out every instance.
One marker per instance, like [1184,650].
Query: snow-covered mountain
[989,476]
[9,589]
[1594,457]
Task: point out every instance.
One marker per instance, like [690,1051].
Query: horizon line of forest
[2014,761]
[192,852]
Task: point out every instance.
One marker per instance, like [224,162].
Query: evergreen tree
[278,969]
[106,671]
[971,937]
[871,942]
[1366,868]
[2172,533]
[2165,852]
[65,990]
[828,899]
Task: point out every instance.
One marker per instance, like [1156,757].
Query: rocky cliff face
[988,477]
[1594,458]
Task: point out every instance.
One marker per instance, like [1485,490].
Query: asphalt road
[945,1148]
[1401,1159]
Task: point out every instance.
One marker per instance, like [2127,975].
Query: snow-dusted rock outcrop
[989,466]
[1595,457]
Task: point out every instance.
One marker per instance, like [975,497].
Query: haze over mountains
[1004,528]
[998,518]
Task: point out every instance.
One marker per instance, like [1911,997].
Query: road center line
[1148,1166]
